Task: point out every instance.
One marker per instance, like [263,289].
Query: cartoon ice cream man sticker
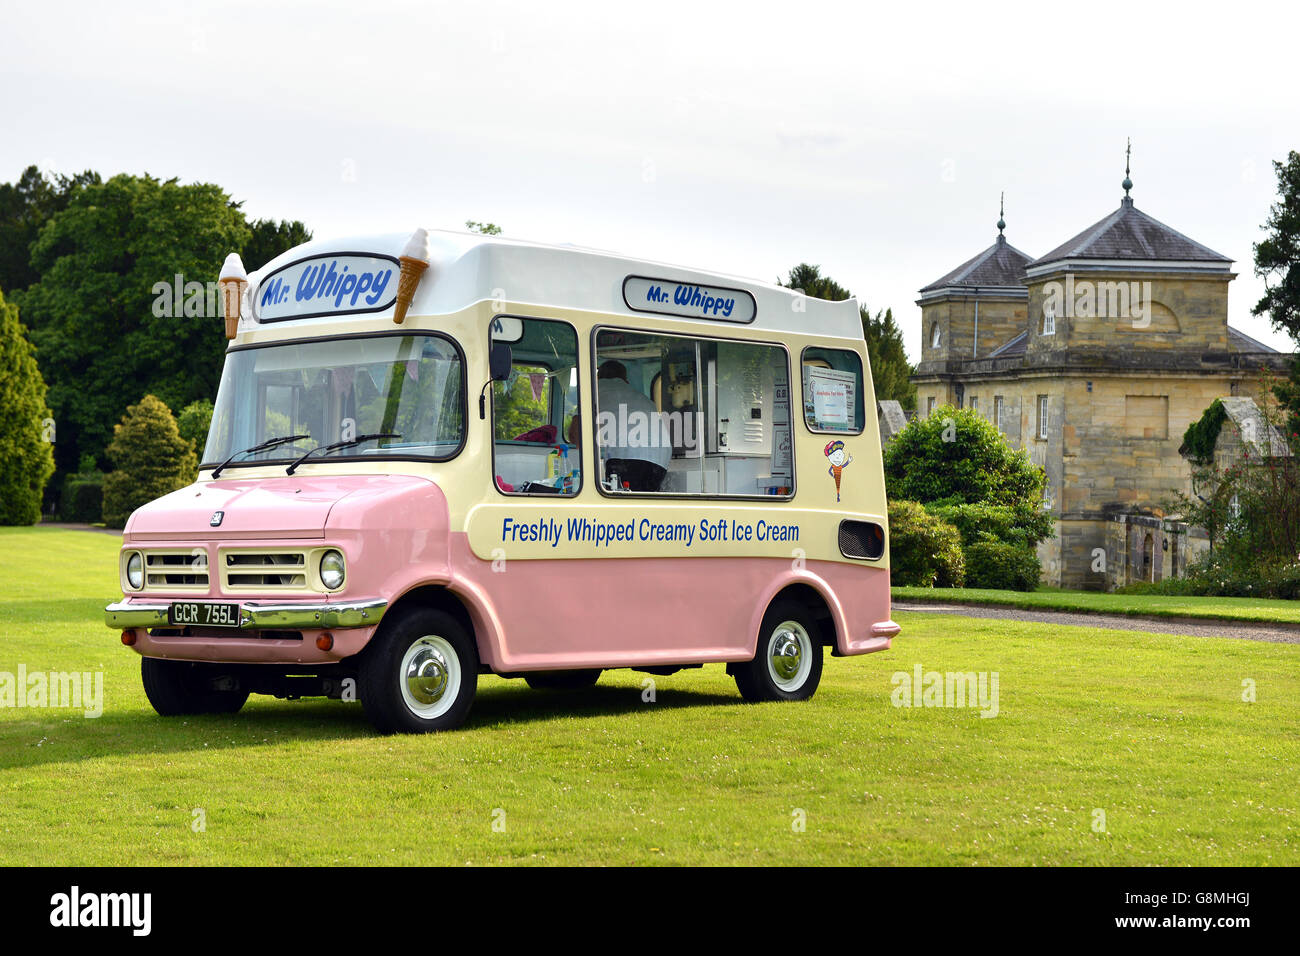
[839,461]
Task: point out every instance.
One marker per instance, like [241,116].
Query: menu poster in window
[782,466]
[830,399]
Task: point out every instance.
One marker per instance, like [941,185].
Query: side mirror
[500,360]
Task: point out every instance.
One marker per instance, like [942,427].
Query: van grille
[176,569]
[264,569]
[861,539]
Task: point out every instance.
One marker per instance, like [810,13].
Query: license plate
[203,614]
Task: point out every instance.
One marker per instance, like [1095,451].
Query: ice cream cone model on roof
[233,281]
[414,260]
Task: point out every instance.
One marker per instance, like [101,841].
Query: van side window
[679,415]
[536,446]
[832,391]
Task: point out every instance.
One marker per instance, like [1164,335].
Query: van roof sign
[343,283]
[688,299]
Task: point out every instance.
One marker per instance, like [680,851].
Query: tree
[151,459]
[91,314]
[26,428]
[955,457]
[890,370]
[486,228]
[25,206]
[1277,262]
[193,423]
[270,238]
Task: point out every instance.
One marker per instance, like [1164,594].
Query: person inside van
[637,451]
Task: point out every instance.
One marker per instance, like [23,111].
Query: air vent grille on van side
[862,539]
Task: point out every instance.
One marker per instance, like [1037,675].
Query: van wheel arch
[439,598]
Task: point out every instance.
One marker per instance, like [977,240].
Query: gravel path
[1247,630]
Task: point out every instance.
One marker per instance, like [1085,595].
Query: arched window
[936,337]
[1049,320]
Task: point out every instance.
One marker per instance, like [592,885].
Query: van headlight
[331,570]
[135,571]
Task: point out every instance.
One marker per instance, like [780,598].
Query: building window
[935,336]
[974,403]
[997,411]
[1049,321]
[1042,417]
[929,406]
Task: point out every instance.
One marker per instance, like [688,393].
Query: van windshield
[408,385]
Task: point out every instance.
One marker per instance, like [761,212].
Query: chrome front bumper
[257,616]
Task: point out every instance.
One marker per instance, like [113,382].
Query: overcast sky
[745,138]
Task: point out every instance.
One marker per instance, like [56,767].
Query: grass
[1100,602]
[1150,729]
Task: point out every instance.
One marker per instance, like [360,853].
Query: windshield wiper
[339,444]
[269,443]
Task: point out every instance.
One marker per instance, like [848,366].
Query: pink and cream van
[449,455]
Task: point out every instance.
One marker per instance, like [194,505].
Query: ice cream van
[438,455]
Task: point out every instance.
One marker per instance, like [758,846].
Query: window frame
[561,438]
[674,496]
[1044,408]
[309,340]
[862,377]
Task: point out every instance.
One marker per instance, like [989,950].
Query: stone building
[1094,358]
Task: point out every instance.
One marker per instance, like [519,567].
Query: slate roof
[1239,341]
[1012,347]
[1129,233]
[1001,265]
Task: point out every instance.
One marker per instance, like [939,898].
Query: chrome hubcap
[789,651]
[430,676]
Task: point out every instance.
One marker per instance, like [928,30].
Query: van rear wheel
[562,680]
[419,674]
[788,662]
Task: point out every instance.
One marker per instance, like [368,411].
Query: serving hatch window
[680,415]
[407,388]
[832,391]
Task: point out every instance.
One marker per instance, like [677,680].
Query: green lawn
[1151,729]
[1099,602]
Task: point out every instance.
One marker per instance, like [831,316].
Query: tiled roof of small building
[1129,233]
[1012,347]
[1239,341]
[1001,265]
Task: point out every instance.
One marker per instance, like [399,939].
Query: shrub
[26,452]
[83,498]
[956,456]
[151,459]
[924,550]
[1017,525]
[1007,567]
[193,423]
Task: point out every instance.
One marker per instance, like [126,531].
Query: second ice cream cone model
[233,281]
[414,260]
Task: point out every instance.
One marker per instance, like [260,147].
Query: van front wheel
[788,661]
[419,674]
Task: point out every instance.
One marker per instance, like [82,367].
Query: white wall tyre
[787,662]
[419,674]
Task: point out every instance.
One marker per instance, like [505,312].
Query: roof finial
[1127,183]
[1002,208]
